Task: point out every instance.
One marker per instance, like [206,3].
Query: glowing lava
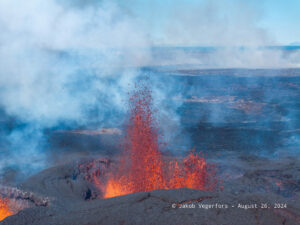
[4,209]
[142,166]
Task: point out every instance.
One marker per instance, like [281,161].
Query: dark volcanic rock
[161,207]
[74,199]
[68,182]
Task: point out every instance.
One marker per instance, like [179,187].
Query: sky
[282,18]
[172,22]
[279,19]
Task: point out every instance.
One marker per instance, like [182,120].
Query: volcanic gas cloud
[142,165]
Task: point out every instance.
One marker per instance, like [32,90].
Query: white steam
[60,59]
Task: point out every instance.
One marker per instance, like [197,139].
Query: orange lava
[142,166]
[279,184]
[4,209]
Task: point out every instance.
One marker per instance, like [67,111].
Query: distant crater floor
[244,200]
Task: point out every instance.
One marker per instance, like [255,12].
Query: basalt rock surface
[163,207]
[73,199]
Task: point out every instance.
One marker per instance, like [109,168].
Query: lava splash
[143,167]
[4,209]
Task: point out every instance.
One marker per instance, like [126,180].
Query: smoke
[231,31]
[62,63]
[67,64]
[216,23]
[231,57]
[45,49]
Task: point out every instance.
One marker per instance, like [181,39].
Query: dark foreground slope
[73,200]
[156,207]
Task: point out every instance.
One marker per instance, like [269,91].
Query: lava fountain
[4,209]
[143,167]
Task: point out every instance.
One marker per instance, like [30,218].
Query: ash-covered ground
[249,111]
[256,191]
[245,122]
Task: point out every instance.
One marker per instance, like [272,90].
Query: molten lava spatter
[4,209]
[143,168]
[141,163]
